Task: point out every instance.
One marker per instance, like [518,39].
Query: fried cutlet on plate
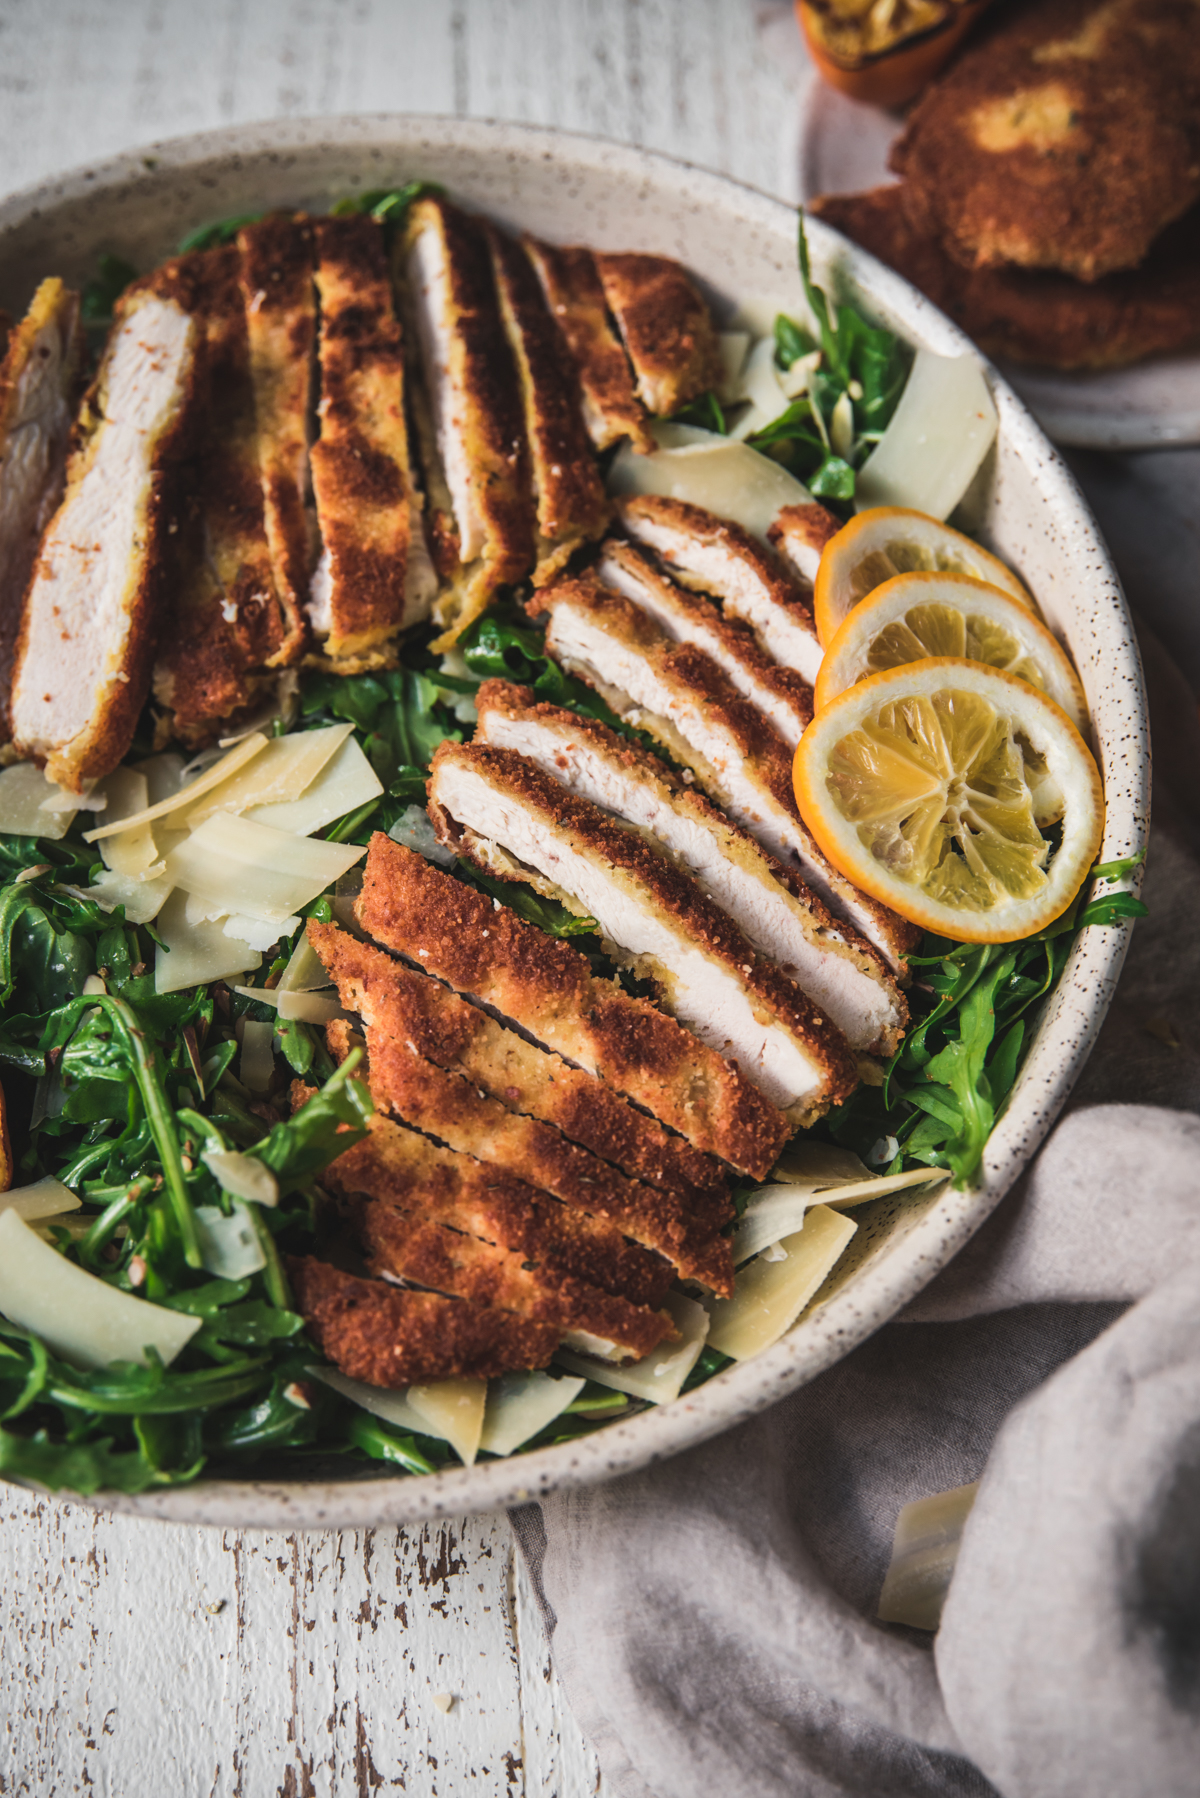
[1067,138]
[1035,315]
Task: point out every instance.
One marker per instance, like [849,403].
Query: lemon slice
[926,786]
[890,540]
[914,616]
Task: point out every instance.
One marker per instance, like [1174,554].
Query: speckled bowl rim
[1066,1034]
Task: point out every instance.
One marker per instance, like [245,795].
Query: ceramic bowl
[1025,506]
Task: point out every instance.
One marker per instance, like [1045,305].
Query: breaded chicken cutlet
[1033,315]
[1067,137]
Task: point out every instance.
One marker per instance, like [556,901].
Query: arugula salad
[149,1139]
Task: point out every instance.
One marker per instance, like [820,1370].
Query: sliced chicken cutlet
[568,493]
[476,458]
[227,623]
[86,644]
[281,319]
[666,327]
[482,1200]
[480,947]
[800,534]
[575,295]
[534,1082]
[718,557]
[387,1336]
[451,1108]
[781,694]
[410,1201]
[502,810]
[829,961]
[39,380]
[374,576]
[680,696]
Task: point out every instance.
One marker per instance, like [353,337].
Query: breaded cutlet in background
[1066,137]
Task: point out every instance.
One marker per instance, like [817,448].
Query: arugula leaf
[223,231]
[101,293]
[706,412]
[389,205]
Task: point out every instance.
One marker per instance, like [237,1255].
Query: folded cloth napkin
[714,1618]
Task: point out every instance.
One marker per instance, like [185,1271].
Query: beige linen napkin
[713,1618]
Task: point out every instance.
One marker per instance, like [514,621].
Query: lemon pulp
[938,790]
[936,629]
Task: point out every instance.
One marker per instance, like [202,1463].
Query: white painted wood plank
[138,1659]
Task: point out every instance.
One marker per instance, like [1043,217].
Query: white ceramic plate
[843,148]
[1025,505]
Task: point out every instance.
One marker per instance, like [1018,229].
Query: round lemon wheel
[931,786]
[914,616]
[886,541]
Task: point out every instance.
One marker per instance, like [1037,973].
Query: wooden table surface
[139,1660]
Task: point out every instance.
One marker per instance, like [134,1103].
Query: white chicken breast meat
[800,534]
[39,377]
[477,476]
[569,497]
[784,921]
[678,694]
[780,694]
[500,809]
[86,644]
[720,558]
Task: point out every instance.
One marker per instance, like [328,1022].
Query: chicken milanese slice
[719,557]
[374,576]
[828,960]
[568,493]
[679,694]
[39,379]
[511,817]
[781,694]
[86,644]
[389,1336]
[575,296]
[479,1199]
[409,1200]
[535,1082]
[474,444]
[276,276]
[228,623]
[799,534]
[666,327]
[481,947]
[448,1106]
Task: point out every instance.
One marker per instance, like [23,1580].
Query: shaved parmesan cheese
[305,972]
[257,934]
[300,1008]
[284,770]
[242,1175]
[814,1163]
[131,852]
[45,1198]
[25,796]
[727,478]
[924,1551]
[733,348]
[195,954]
[75,1314]
[939,433]
[760,381]
[142,895]
[659,1376]
[254,870]
[521,1404]
[164,775]
[770,1294]
[229,1246]
[346,782]
[454,1409]
[258,1059]
[393,1407]
[775,1211]
[212,777]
